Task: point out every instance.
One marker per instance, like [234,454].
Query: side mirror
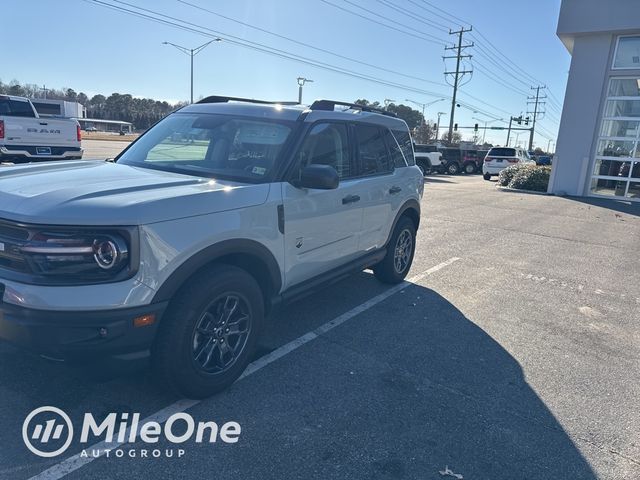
[322,177]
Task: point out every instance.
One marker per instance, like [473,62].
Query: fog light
[144,320]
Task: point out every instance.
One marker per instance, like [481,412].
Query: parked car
[90,129]
[178,249]
[499,158]
[25,137]
[428,158]
[543,160]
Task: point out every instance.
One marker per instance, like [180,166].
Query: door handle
[394,190]
[350,199]
[44,123]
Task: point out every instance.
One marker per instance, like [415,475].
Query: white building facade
[598,149]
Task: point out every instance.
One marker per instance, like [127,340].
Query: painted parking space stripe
[77,461]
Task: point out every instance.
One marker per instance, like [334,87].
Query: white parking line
[77,461]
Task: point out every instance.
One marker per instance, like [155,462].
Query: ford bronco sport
[179,247]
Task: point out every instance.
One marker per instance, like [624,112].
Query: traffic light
[526,121]
[435,127]
[455,127]
[520,120]
[475,128]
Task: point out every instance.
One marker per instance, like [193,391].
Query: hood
[103,193]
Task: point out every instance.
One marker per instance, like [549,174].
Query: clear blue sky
[94,49]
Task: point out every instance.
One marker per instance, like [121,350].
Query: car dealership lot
[102,149]
[516,357]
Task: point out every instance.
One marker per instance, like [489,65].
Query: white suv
[499,158]
[181,246]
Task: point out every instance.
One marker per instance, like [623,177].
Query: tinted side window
[397,156]
[327,144]
[372,151]
[403,137]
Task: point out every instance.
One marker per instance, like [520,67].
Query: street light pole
[192,52]
[424,106]
[301,82]
[438,126]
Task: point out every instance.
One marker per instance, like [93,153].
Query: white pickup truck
[26,137]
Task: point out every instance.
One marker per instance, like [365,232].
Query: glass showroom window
[617,164]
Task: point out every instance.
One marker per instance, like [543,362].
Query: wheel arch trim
[210,254]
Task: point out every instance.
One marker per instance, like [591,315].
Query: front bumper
[80,335]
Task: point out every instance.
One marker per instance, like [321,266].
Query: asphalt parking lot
[102,149]
[512,353]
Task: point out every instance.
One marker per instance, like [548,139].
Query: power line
[306,45]
[433,38]
[412,15]
[194,28]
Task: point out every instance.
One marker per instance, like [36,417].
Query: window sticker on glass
[259,170]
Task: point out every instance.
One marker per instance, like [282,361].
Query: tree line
[142,112]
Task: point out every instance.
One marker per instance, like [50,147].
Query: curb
[517,190]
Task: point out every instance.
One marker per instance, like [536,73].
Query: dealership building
[598,149]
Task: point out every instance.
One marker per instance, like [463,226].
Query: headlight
[79,256]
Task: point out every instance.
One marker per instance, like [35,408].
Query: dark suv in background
[456,160]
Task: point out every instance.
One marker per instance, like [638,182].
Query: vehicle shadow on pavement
[440,387]
[407,388]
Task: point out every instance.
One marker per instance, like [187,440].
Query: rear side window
[502,152]
[15,108]
[327,144]
[372,150]
[406,145]
[397,156]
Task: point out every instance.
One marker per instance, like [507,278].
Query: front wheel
[453,168]
[486,176]
[397,262]
[209,331]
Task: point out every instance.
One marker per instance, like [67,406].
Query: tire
[390,271]
[453,168]
[470,168]
[187,355]
[486,176]
[424,166]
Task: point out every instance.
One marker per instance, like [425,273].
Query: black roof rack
[330,105]
[220,99]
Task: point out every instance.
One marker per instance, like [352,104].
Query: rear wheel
[397,262]
[453,168]
[424,166]
[209,332]
[470,168]
[486,176]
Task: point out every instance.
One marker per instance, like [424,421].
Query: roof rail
[220,99]
[330,105]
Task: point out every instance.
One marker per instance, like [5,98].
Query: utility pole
[458,74]
[192,52]
[301,82]
[536,100]
[45,90]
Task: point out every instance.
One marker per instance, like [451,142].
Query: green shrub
[529,177]
[506,175]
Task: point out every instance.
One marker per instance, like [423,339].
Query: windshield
[211,145]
